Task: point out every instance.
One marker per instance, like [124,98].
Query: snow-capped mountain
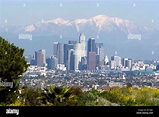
[126,37]
[97,24]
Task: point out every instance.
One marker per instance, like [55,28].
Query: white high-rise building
[106,60]
[117,59]
[80,51]
[113,64]
[78,55]
[82,41]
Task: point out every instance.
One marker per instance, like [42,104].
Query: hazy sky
[24,12]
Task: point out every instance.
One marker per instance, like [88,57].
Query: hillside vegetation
[74,96]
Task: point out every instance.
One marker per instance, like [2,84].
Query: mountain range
[122,36]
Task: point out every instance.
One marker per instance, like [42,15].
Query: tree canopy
[12,66]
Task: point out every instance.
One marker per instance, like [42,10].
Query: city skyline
[72,44]
[85,55]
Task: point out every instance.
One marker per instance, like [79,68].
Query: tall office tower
[91,61]
[91,54]
[80,51]
[53,62]
[48,63]
[117,59]
[113,64]
[55,48]
[67,47]
[32,61]
[91,45]
[82,41]
[40,58]
[100,54]
[129,63]
[61,54]
[84,63]
[78,55]
[124,60]
[71,59]
[58,51]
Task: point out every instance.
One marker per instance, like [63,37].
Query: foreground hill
[74,96]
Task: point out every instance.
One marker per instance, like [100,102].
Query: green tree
[91,98]
[12,66]
[31,96]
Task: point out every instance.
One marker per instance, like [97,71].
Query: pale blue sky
[25,12]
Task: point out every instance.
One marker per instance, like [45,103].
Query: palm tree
[57,96]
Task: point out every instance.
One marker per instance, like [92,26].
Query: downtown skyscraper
[81,55]
[91,54]
[67,47]
[58,52]
[80,51]
[40,58]
[100,54]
